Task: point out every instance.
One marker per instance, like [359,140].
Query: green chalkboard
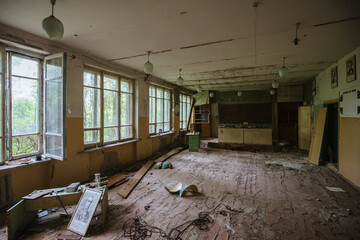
[252,113]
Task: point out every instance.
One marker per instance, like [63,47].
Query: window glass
[111,83]
[159,110]
[24,67]
[107,108]
[24,83]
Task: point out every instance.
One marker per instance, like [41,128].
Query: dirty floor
[279,196]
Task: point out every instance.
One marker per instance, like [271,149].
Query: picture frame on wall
[84,212]
[351,69]
[334,77]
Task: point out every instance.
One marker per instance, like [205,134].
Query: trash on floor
[182,188]
[335,189]
[163,165]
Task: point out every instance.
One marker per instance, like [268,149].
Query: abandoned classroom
[179,119]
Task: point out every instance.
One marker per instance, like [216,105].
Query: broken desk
[25,211]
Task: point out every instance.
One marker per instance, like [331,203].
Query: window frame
[2,104]
[188,109]
[163,110]
[9,105]
[6,103]
[102,89]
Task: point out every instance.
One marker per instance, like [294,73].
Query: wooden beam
[191,110]
[130,185]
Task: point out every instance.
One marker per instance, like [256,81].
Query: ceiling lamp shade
[211,94]
[148,66]
[272,92]
[275,84]
[53,27]
[283,71]
[179,80]
[239,93]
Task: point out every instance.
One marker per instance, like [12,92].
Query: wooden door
[304,129]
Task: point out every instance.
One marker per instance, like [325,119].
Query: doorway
[288,122]
[330,140]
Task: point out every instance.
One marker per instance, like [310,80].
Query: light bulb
[211,94]
[179,81]
[53,27]
[275,84]
[283,71]
[272,92]
[239,93]
[148,67]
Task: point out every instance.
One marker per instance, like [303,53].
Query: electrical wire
[137,229]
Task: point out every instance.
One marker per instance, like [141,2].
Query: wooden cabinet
[202,114]
[202,120]
[257,136]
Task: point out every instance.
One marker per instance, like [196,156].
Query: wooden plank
[130,185]
[18,218]
[169,154]
[317,138]
[191,110]
[304,127]
[116,179]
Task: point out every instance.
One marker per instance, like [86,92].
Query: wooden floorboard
[281,196]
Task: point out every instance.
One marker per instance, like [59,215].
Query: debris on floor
[136,228]
[182,188]
[163,165]
[335,189]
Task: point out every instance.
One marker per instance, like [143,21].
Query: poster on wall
[351,69]
[350,103]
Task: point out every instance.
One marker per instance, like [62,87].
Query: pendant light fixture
[211,94]
[199,89]
[179,80]
[53,27]
[272,92]
[275,84]
[239,93]
[283,71]
[148,66]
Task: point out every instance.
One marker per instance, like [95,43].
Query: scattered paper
[335,189]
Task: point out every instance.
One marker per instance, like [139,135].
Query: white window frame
[163,109]
[6,105]
[119,125]
[188,110]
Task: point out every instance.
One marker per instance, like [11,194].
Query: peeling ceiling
[220,45]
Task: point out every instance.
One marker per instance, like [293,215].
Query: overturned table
[25,211]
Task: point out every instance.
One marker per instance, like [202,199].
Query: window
[159,109]
[24,117]
[108,108]
[184,110]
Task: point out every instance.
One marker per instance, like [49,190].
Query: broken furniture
[25,211]
[194,141]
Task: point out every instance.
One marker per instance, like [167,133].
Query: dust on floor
[280,196]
